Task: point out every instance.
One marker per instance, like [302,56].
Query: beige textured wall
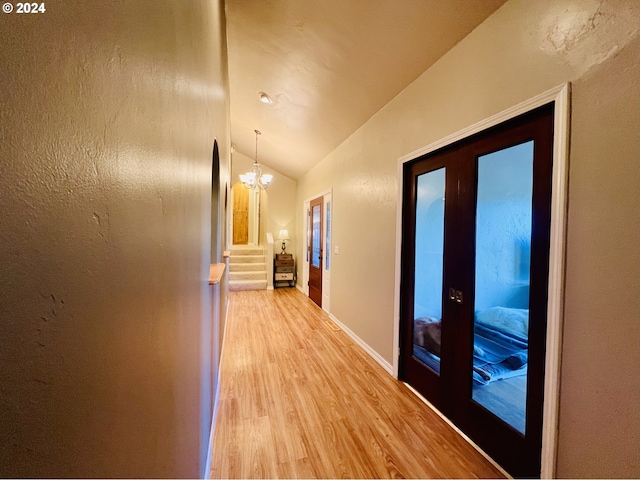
[280,206]
[600,398]
[108,113]
[522,50]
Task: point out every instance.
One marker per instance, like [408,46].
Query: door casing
[327,196]
[560,96]
[451,390]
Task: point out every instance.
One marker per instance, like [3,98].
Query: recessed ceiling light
[264,98]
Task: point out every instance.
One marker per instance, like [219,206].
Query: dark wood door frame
[315,242]
[560,96]
[451,390]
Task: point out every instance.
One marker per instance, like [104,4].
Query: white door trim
[327,202]
[303,261]
[560,95]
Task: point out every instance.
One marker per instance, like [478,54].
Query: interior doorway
[317,255]
[216,209]
[480,257]
[246,206]
[240,215]
[316,246]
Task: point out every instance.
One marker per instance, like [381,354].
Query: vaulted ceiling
[328,66]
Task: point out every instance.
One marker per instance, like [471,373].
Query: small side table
[284,270]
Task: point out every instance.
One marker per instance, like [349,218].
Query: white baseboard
[372,353]
[389,368]
[364,345]
[460,432]
[216,403]
[216,400]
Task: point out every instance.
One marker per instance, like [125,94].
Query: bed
[500,343]
[500,355]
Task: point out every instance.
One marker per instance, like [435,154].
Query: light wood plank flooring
[299,399]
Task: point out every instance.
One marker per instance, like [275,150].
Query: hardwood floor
[299,399]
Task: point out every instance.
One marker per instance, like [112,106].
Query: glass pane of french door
[502,277]
[315,226]
[429,249]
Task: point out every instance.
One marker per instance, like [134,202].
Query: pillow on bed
[514,321]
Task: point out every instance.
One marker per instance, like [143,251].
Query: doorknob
[455,295]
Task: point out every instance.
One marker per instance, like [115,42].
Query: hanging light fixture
[254,178]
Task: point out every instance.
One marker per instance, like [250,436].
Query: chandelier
[254,178]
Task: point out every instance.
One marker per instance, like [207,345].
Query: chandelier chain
[258,132]
[254,178]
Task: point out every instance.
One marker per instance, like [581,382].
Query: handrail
[215,273]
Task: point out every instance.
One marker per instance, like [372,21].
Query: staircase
[247,268]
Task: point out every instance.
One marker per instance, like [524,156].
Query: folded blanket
[501,346]
[492,347]
[491,372]
[501,338]
[482,375]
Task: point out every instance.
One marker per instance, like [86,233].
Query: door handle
[456,295]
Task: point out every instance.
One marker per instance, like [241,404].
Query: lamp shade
[284,235]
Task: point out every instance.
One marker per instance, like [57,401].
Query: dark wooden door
[315,245]
[475,259]
[429,182]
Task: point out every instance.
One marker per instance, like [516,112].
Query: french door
[315,247]
[474,276]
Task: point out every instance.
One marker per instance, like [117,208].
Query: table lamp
[284,235]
